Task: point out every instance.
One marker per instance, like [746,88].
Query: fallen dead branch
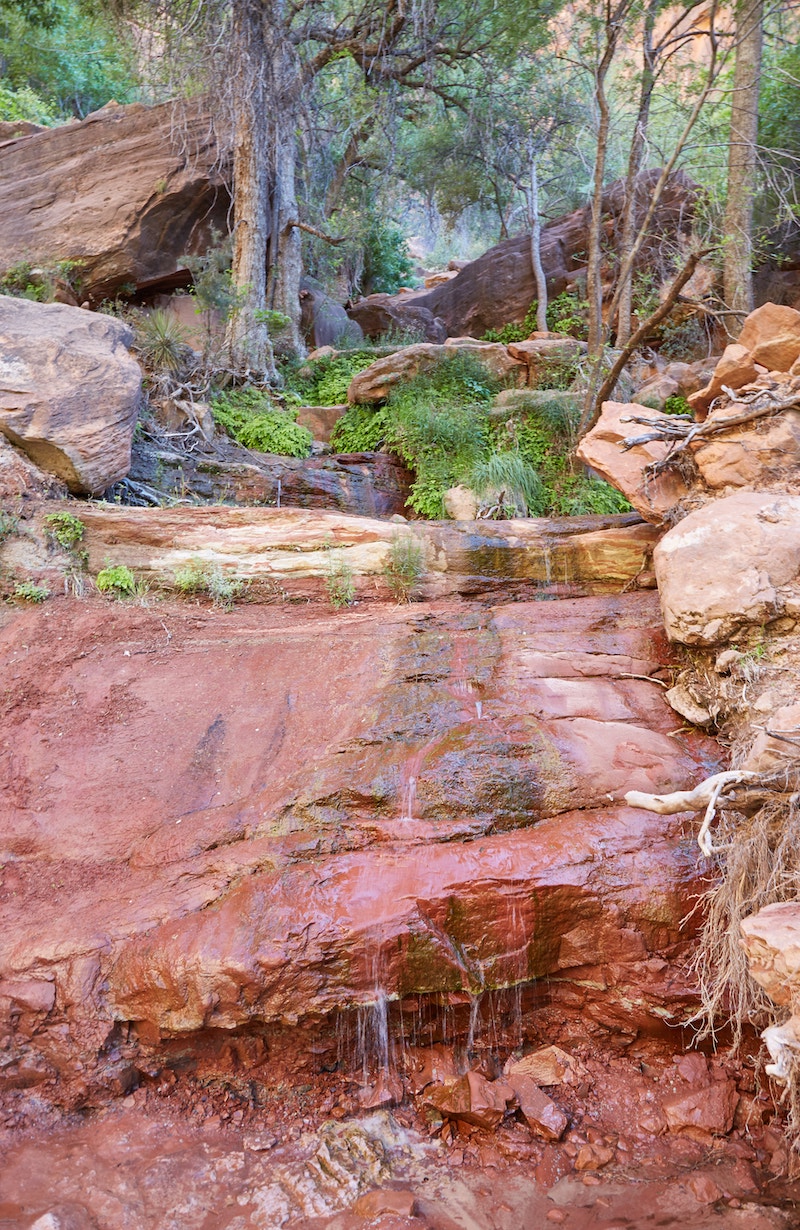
[705,796]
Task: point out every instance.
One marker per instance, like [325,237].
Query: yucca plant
[162,341]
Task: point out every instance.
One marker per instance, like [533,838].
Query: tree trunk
[536,247]
[738,225]
[283,107]
[628,227]
[594,283]
[246,336]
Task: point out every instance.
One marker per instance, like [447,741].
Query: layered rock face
[332,808]
[499,286]
[69,391]
[125,193]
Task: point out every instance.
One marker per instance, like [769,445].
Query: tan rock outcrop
[126,193]
[731,564]
[602,449]
[20,478]
[69,391]
[376,382]
[735,369]
[772,335]
[771,940]
[760,456]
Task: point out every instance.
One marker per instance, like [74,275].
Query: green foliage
[65,529]
[117,579]
[249,416]
[362,429]
[29,591]
[161,341]
[556,374]
[678,405]
[339,581]
[198,577]
[71,55]
[212,284]
[404,568]
[25,104]
[324,382]
[682,339]
[512,332]
[24,281]
[578,495]
[387,265]
[568,313]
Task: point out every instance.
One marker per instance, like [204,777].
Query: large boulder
[69,391]
[126,193]
[376,382]
[772,336]
[759,455]
[732,564]
[380,314]
[499,286]
[601,448]
[324,322]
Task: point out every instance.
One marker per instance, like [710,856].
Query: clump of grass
[249,416]
[404,568]
[339,581]
[508,486]
[198,577]
[117,579]
[29,591]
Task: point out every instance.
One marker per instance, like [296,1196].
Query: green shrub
[198,577]
[9,524]
[25,104]
[324,382]
[39,283]
[404,568]
[29,591]
[117,579]
[387,265]
[339,581]
[558,374]
[678,405]
[65,529]
[568,313]
[249,416]
[513,332]
[578,495]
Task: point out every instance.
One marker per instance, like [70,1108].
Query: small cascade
[372,1037]
[547,563]
[409,798]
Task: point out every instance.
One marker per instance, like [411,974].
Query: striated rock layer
[238,821]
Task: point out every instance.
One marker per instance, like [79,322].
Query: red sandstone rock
[704,1108]
[385,1200]
[540,1113]
[771,939]
[472,1099]
[602,449]
[548,1066]
[126,193]
[593,1157]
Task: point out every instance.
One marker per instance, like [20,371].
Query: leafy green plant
[514,332]
[65,529]
[324,382]
[678,405]
[568,313]
[161,341]
[212,284]
[25,104]
[404,567]
[29,591]
[39,283]
[339,581]
[559,374]
[199,577]
[387,265]
[249,416]
[117,579]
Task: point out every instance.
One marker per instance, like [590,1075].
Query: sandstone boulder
[772,336]
[376,382]
[380,314]
[126,193]
[731,564]
[704,1110]
[20,478]
[460,503]
[761,455]
[602,449]
[69,391]
[735,369]
[771,940]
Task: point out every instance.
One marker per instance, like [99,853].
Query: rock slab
[69,391]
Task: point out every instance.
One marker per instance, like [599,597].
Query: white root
[705,796]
